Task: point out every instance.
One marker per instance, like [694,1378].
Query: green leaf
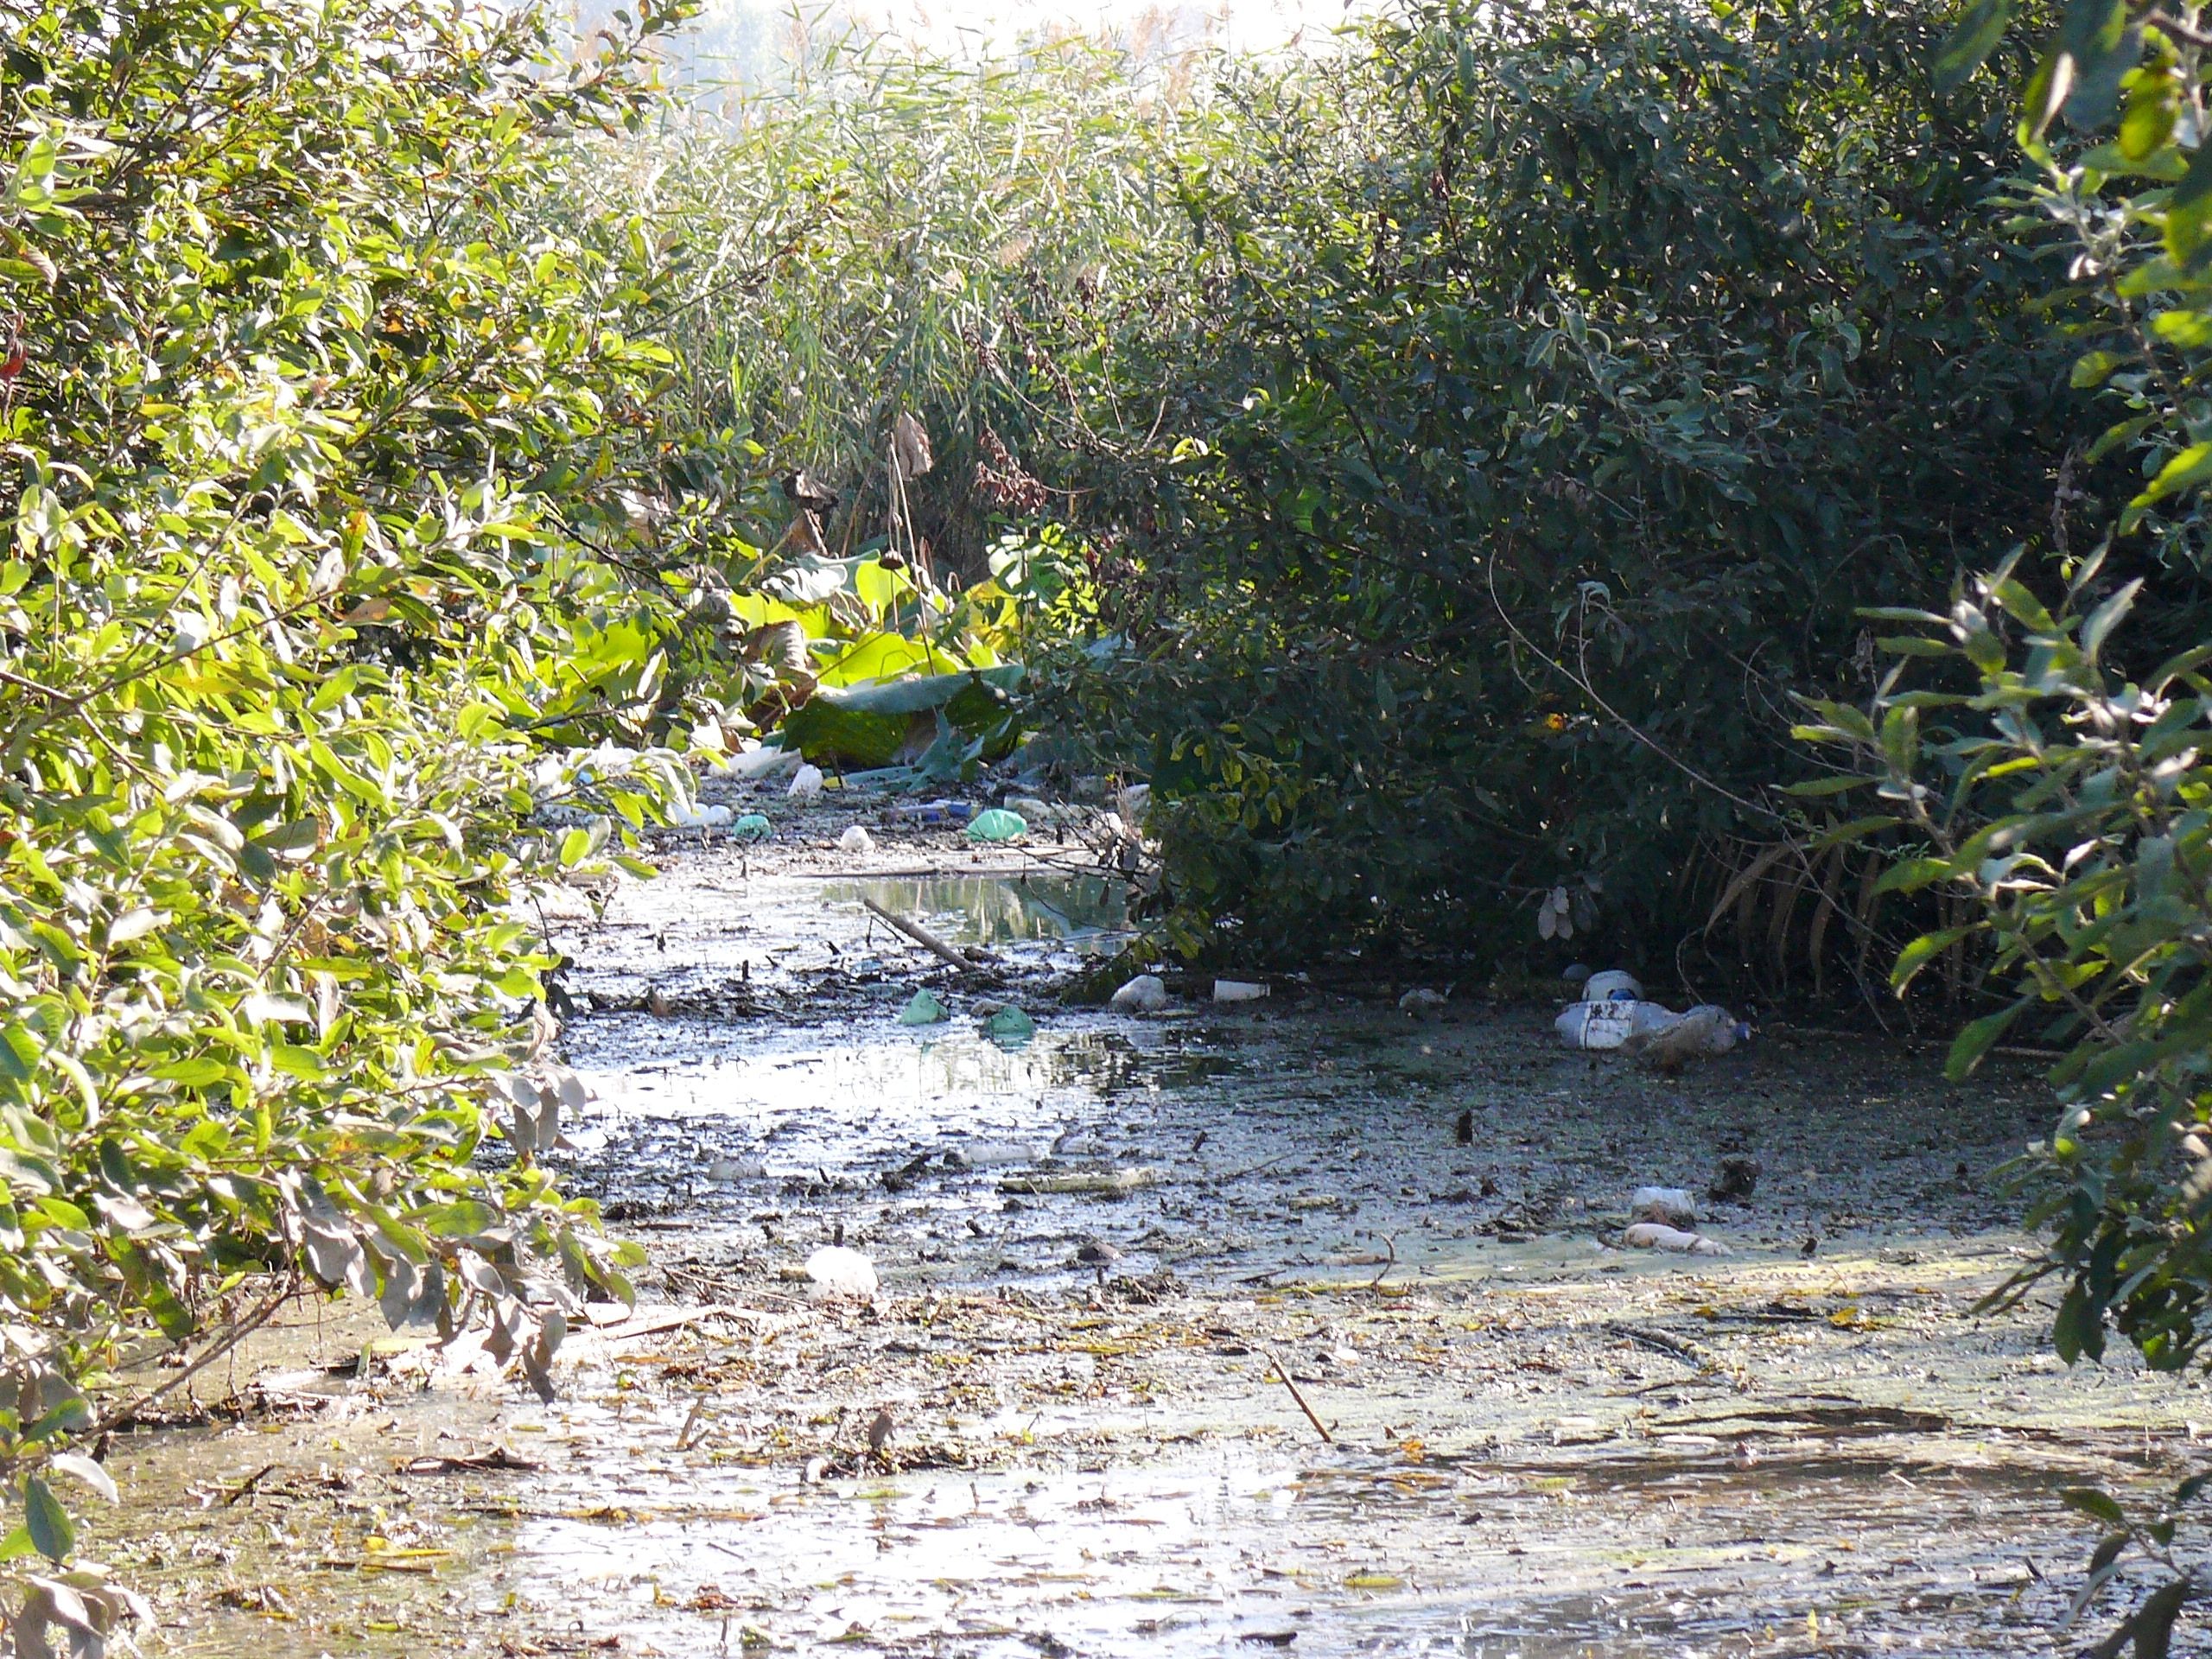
[463,1218]
[46,1520]
[2093,368]
[1911,874]
[1969,44]
[1973,1045]
[2095,1502]
[2147,124]
[2106,617]
[1923,950]
[2189,211]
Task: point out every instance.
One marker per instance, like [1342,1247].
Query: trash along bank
[1310,1321]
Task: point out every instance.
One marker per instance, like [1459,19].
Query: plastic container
[753,827]
[806,783]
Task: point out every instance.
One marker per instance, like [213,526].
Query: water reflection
[1088,911]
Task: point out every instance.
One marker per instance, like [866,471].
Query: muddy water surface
[1293,1325]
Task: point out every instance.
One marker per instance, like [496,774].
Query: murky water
[1090,912]
[1316,1216]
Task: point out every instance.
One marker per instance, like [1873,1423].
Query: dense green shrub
[314,423]
[1539,393]
[2047,770]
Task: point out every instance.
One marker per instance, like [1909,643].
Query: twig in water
[130,1412]
[1252,1169]
[1319,1429]
[247,1485]
[1390,1239]
[923,938]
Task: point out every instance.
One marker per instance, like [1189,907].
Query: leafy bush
[313,420]
[1540,392]
[2049,769]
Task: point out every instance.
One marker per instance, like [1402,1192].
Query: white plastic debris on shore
[856,839]
[1238,990]
[807,783]
[837,1271]
[1674,1206]
[1657,1235]
[1146,994]
[756,764]
[691,816]
[1132,804]
[1602,1024]
[1651,1030]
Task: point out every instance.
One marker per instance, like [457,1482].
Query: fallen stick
[923,938]
[1295,1395]
[650,1325]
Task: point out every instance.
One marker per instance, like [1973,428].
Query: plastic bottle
[1609,1025]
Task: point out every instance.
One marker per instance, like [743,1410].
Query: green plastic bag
[753,827]
[998,824]
[1010,1026]
[923,1009]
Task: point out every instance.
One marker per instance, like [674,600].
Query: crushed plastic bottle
[762,762]
[998,824]
[753,827]
[1600,1025]
[1651,1031]
[923,1009]
[1657,1235]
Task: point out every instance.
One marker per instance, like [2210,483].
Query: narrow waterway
[1294,1324]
